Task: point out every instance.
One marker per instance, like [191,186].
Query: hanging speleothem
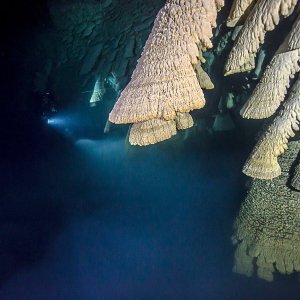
[164,82]
[264,16]
[272,88]
[98,92]
[238,9]
[262,162]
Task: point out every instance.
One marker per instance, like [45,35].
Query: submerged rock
[267,229]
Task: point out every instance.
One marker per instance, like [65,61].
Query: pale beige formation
[157,130]
[295,182]
[267,229]
[164,82]
[264,16]
[203,78]
[262,162]
[98,92]
[272,88]
[238,9]
[219,4]
[151,132]
[184,121]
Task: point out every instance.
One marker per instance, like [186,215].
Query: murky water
[96,219]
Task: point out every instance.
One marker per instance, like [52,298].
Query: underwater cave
[150,149]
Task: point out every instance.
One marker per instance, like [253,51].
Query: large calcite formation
[267,229]
[262,162]
[164,83]
[264,16]
[272,88]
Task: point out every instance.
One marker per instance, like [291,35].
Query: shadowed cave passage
[98,220]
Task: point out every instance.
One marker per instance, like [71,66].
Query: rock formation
[264,16]
[164,82]
[262,162]
[274,84]
[267,229]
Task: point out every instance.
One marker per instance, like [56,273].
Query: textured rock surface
[267,229]
[264,16]
[151,132]
[164,82]
[92,40]
[238,9]
[262,162]
[184,121]
[272,88]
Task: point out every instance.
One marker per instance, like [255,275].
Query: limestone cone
[271,90]
[98,92]
[262,162]
[238,9]
[267,229]
[151,132]
[157,130]
[264,16]
[164,82]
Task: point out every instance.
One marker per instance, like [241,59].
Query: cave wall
[91,40]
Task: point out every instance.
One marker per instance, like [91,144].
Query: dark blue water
[96,219]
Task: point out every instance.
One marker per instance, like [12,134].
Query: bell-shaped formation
[267,229]
[269,93]
[98,92]
[272,88]
[238,10]
[264,16]
[151,132]
[157,130]
[262,162]
[164,82]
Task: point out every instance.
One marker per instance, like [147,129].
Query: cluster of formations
[167,84]
[98,41]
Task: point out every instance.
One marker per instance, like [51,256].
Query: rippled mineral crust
[151,132]
[272,88]
[267,229]
[262,162]
[184,121]
[164,82]
[264,16]
[238,9]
